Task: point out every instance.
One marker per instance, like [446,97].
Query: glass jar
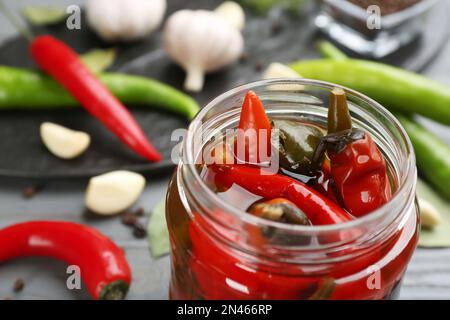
[213,249]
[347,24]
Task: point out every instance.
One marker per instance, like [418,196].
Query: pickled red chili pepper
[254,128]
[220,274]
[318,209]
[357,165]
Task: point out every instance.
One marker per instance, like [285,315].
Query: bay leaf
[98,60]
[439,236]
[158,235]
[41,16]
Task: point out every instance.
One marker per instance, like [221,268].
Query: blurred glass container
[355,28]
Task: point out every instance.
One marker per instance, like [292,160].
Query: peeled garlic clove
[232,13]
[279,70]
[113,192]
[429,215]
[63,142]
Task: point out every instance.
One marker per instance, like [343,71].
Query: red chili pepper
[104,268]
[254,124]
[357,167]
[63,64]
[359,172]
[319,209]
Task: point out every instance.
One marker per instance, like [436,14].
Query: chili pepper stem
[22,28]
[116,290]
[338,114]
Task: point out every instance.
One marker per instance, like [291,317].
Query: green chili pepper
[25,89]
[433,155]
[330,51]
[297,146]
[395,88]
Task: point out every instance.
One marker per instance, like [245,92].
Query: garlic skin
[124,20]
[200,41]
[232,13]
[113,192]
[64,142]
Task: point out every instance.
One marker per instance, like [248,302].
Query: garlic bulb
[201,41]
[124,20]
[113,192]
[232,13]
[63,142]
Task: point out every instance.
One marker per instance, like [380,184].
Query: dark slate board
[23,154]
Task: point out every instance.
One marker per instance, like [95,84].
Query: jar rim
[407,179]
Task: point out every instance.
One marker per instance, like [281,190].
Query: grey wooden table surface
[428,275]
